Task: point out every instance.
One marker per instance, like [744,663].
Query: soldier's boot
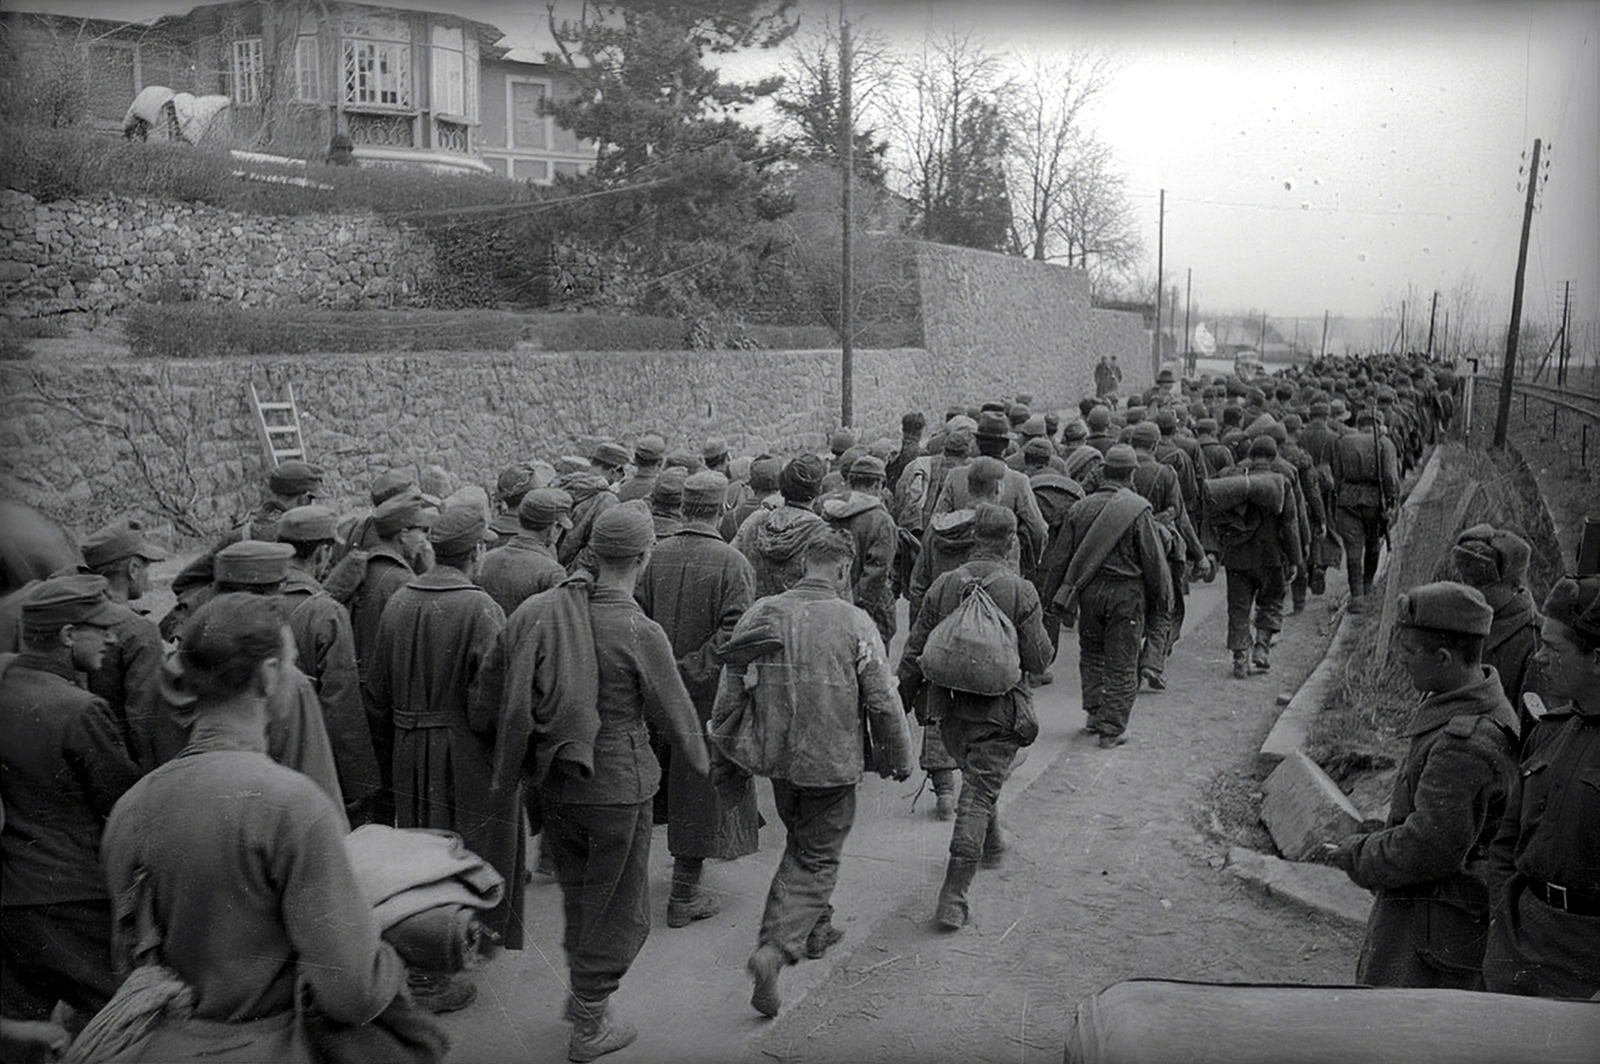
[1241,664]
[951,913]
[595,1030]
[688,902]
[944,793]
[1317,580]
[1259,657]
[441,991]
[764,965]
[995,844]
[823,937]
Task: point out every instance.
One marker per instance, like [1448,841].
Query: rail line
[1585,405]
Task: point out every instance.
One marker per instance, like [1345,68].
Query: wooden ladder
[280,433]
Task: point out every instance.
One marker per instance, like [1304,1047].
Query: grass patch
[1358,730]
[52,164]
[208,330]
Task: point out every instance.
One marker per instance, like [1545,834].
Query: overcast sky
[1315,156]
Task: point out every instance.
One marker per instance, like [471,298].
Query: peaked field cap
[651,447]
[74,598]
[764,472]
[399,513]
[1445,606]
[458,528]
[294,477]
[543,507]
[611,454]
[514,480]
[308,524]
[1144,434]
[802,476]
[622,532]
[868,465]
[668,489]
[1099,419]
[1033,427]
[1037,447]
[1121,456]
[841,440]
[714,447]
[992,424]
[705,488]
[389,484]
[252,562]
[122,539]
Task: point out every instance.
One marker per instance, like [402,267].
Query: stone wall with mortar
[90,257]
[175,441]
[1027,321]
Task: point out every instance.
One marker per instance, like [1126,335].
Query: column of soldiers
[552,661]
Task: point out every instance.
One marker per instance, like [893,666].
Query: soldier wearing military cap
[1259,544]
[1113,574]
[122,554]
[63,765]
[573,678]
[1366,486]
[527,565]
[1495,561]
[326,652]
[1159,482]
[774,539]
[433,638]
[697,587]
[762,482]
[859,509]
[1428,863]
[648,454]
[610,460]
[1005,487]
[1544,939]
[387,485]
[292,483]
[514,484]
[666,502]
[841,441]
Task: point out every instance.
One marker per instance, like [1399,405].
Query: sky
[1315,156]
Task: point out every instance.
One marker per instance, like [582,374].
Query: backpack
[974,648]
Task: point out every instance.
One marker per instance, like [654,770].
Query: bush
[52,164]
[206,330]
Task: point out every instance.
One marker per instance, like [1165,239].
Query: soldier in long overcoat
[696,587]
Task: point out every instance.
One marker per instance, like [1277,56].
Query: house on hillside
[408,87]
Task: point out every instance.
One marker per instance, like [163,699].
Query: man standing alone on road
[982,731]
[805,678]
[1429,864]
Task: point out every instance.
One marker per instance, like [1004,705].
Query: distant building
[407,87]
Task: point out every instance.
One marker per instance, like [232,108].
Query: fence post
[1583,447]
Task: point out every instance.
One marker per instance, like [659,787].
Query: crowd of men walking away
[611,642]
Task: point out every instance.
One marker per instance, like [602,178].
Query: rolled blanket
[403,872]
[1262,489]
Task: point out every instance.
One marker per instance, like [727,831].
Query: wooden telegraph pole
[1508,377]
[1161,250]
[1188,302]
[1433,308]
[1324,348]
[846,293]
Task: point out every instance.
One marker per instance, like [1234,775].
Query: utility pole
[1509,375]
[847,398]
[1433,308]
[1566,335]
[1161,251]
[1188,302]
[1324,347]
[1262,346]
[1402,326]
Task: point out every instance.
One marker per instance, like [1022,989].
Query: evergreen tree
[971,206]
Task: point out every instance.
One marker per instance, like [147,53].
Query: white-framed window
[529,125]
[449,62]
[307,69]
[247,70]
[377,74]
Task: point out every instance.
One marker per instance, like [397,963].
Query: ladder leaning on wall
[279,425]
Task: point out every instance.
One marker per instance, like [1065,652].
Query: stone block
[1320,888]
[1304,808]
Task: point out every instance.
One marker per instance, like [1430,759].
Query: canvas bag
[974,648]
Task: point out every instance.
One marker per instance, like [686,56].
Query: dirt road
[1115,873]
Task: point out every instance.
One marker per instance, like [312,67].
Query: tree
[1095,223]
[809,102]
[953,140]
[644,91]
[1050,145]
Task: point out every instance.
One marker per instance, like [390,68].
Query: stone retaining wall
[175,442]
[87,258]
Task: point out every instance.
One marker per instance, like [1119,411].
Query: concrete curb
[1321,888]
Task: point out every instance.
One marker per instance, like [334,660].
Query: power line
[1320,209]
